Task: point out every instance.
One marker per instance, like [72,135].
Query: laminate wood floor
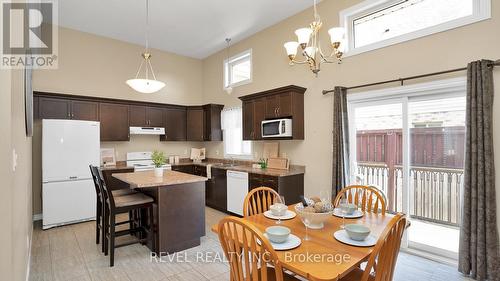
[69,253]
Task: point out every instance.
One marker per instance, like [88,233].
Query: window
[238,69]
[232,127]
[375,24]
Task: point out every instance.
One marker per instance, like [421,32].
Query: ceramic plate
[288,215]
[357,214]
[291,243]
[342,236]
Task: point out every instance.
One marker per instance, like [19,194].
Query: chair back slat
[93,171]
[249,253]
[259,200]
[369,199]
[106,192]
[382,260]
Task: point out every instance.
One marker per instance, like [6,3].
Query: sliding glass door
[410,144]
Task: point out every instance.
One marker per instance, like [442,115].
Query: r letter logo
[29,35]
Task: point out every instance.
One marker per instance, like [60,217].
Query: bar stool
[125,204]
[99,222]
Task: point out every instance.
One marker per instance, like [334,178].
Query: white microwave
[277,128]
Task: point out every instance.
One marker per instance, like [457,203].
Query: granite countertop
[120,165]
[145,179]
[294,169]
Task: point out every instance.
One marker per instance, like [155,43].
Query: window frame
[481,10]
[230,62]
[438,89]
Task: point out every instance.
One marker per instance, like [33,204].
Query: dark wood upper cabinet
[138,116]
[54,108]
[145,116]
[60,108]
[85,110]
[114,122]
[212,118]
[284,102]
[175,124]
[155,116]
[248,120]
[195,124]
[181,123]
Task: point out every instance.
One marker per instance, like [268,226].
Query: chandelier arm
[152,71]
[299,62]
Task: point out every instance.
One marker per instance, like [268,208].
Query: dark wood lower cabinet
[292,187]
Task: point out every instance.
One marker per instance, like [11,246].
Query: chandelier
[146,86]
[309,42]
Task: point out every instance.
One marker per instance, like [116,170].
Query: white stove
[141,161]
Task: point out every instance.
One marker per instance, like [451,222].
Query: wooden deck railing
[435,192]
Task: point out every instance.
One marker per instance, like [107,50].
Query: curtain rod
[401,80]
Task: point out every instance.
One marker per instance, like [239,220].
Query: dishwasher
[237,189]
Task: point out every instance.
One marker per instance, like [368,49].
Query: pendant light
[146,86]
[228,89]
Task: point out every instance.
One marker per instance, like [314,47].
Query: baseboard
[37,217]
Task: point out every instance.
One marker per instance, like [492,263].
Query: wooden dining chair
[382,260]
[259,200]
[250,254]
[368,198]
[113,206]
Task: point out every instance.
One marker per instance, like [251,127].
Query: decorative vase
[159,172]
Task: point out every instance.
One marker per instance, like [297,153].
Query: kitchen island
[179,207]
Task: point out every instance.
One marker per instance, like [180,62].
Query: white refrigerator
[68,193]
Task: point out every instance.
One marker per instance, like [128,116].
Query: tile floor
[69,253]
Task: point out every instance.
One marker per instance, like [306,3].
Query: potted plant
[158,160]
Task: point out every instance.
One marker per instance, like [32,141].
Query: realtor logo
[29,34]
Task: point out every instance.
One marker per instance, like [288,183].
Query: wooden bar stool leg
[104,230]
[151,234]
[112,225]
[98,221]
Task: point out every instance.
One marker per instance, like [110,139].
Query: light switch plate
[14,160]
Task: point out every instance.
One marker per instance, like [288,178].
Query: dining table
[322,257]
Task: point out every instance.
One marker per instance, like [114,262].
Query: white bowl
[314,220]
[350,208]
[278,209]
[357,232]
[278,234]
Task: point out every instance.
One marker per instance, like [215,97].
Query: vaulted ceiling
[194,28]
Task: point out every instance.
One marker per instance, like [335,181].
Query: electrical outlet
[185,151]
[217,152]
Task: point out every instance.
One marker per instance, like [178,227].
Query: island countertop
[147,179]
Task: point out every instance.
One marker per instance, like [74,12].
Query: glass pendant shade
[291,48]
[336,34]
[311,51]
[146,86]
[303,35]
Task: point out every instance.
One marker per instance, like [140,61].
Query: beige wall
[442,51]
[91,65]
[15,202]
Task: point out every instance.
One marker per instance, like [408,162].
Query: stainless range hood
[147,131]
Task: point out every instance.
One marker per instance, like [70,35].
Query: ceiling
[194,28]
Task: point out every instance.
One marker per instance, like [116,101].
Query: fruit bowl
[314,220]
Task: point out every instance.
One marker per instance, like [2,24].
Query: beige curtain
[340,169]
[479,249]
